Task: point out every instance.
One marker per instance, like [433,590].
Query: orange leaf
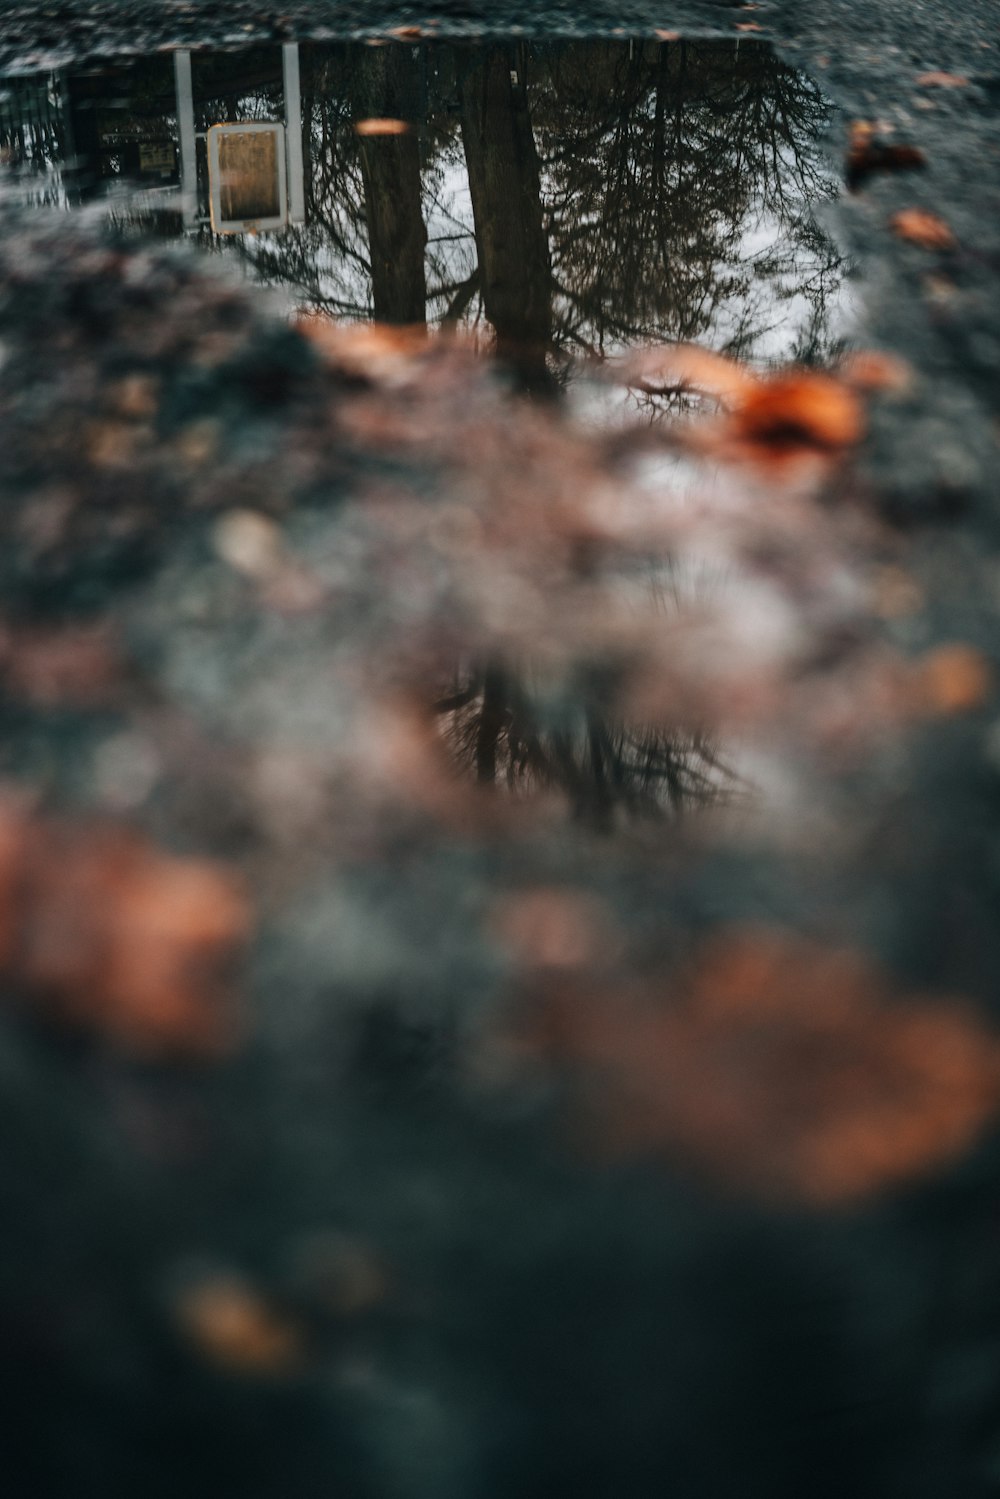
[871,369]
[232,1326]
[800,409]
[922,228]
[687,367]
[104,931]
[775,1064]
[954,679]
[382,127]
[942,80]
[866,155]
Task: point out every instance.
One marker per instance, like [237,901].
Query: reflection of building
[264,177]
[157,127]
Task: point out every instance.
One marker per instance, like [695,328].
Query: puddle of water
[560,201]
[558,204]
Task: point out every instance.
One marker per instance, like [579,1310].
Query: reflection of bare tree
[580,197]
[606,769]
[680,180]
[390,169]
[514,271]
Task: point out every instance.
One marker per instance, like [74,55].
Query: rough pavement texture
[363,1253]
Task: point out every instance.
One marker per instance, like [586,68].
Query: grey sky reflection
[559,201]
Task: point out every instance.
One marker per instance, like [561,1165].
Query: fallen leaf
[954,679]
[920,227]
[799,409]
[231,1325]
[776,1065]
[112,935]
[667,36]
[382,127]
[871,369]
[372,351]
[684,366]
[866,155]
[135,397]
[942,80]
[405,33]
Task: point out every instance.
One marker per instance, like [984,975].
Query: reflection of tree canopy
[675,184]
[574,196]
[605,768]
[679,181]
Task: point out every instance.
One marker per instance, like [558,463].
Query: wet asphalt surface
[492,1314]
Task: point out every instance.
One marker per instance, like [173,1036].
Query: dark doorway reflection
[557,201]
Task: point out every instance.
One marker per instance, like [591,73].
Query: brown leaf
[106,932]
[871,369]
[867,155]
[232,1326]
[942,80]
[920,227]
[778,1065]
[954,679]
[382,127]
[799,409]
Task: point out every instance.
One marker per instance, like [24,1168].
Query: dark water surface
[560,200]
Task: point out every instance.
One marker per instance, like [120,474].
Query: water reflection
[609,772]
[558,201]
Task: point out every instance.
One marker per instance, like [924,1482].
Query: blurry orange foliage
[104,931]
[232,1326]
[381,127]
[800,409]
[368,351]
[777,1065]
[953,679]
[794,410]
[871,369]
[920,227]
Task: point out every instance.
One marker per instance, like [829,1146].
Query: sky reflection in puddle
[558,204]
[561,201]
